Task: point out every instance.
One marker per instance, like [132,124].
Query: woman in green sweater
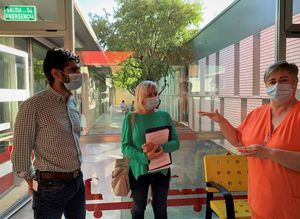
[140,153]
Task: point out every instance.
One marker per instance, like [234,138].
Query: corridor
[101,145]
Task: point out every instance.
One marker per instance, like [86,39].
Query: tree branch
[130,91]
[165,85]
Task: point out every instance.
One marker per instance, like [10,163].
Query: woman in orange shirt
[269,138]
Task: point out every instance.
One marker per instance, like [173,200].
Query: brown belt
[57,175]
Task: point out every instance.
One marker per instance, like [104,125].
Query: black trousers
[160,187]
[55,198]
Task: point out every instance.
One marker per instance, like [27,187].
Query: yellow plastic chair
[225,174]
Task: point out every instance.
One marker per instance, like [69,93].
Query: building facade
[232,53]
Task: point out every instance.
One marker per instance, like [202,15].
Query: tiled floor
[102,145]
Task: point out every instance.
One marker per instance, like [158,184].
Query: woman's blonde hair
[141,92]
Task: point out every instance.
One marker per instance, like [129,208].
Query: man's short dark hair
[57,58]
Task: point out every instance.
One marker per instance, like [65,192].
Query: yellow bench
[225,174]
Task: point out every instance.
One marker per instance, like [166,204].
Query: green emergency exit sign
[19,13]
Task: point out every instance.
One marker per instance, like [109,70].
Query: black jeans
[160,187]
[55,198]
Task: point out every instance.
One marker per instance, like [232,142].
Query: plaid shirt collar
[52,93]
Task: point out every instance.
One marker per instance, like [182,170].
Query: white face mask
[280,92]
[75,82]
[151,103]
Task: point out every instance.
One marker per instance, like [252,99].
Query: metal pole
[280,40]
[69,38]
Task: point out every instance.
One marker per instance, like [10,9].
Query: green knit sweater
[132,141]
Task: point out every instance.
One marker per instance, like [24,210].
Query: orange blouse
[273,190]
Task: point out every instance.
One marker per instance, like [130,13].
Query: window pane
[194,79]
[39,53]
[7,116]
[296,11]
[12,71]
[293,54]
[12,189]
[20,68]
[7,76]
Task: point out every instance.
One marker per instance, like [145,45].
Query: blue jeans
[55,198]
[160,187]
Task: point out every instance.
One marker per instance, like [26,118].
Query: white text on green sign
[19,13]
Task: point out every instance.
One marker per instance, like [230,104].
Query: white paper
[230,148]
[165,167]
[159,137]
[161,161]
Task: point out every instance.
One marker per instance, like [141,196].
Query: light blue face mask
[76,80]
[280,92]
[151,103]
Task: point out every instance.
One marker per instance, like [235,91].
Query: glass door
[14,88]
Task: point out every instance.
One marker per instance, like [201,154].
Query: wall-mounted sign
[19,13]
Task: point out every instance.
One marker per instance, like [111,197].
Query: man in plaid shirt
[48,125]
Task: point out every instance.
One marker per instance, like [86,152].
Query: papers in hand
[159,135]
[232,149]
[229,147]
